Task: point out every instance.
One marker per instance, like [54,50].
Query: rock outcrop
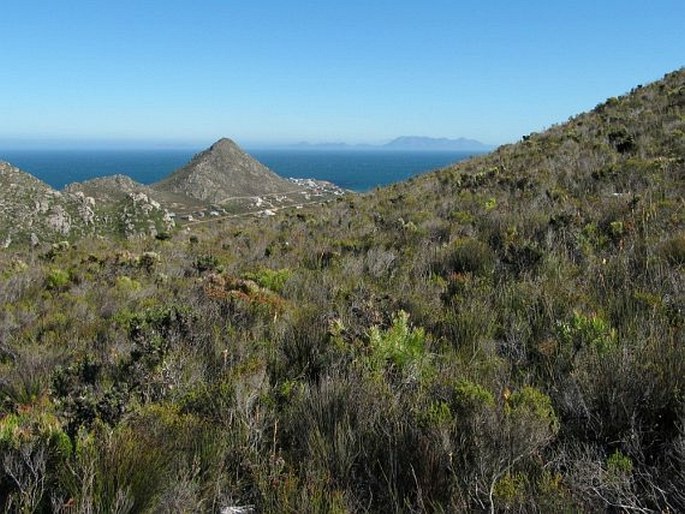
[32,212]
[112,187]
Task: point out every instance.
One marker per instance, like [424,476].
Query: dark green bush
[673,250]
[470,256]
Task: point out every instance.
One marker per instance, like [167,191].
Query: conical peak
[224,143]
[224,171]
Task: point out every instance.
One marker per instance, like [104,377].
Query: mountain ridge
[33,212]
[433,143]
[402,143]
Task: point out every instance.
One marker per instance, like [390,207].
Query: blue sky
[178,72]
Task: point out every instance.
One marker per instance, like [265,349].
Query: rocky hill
[224,172]
[218,182]
[109,188]
[33,212]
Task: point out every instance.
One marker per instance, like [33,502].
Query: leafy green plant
[273,280]
[619,464]
[533,403]
[401,344]
[587,331]
[471,396]
[57,279]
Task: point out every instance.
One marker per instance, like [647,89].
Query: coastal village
[308,191]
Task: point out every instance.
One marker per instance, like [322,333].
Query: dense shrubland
[502,335]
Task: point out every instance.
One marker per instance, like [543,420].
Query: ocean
[358,170]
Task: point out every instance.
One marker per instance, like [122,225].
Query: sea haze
[355,170]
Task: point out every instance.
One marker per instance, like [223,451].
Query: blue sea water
[359,170]
[61,167]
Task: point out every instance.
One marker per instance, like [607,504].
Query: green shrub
[32,425]
[470,256]
[532,402]
[271,279]
[57,279]
[34,448]
[127,469]
[127,284]
[438,414]
[470,396]
[510,490]
[621,140]
[587,331]
[205,263]
[619,465]
[400,344]
[673,250]
[26,379]
[149,260]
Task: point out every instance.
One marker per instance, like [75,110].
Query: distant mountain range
[404,143]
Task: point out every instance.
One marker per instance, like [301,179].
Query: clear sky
[279,71]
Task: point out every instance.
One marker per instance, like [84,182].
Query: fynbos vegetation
[505,335]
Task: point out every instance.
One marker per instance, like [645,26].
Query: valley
[505,334]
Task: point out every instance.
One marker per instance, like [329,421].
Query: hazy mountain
[403,143]
[431,143]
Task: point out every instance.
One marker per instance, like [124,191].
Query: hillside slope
[109,188]
[504,335]
[29,201]
[31,212]
[222,172]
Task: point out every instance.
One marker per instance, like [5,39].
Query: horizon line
[19,143]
